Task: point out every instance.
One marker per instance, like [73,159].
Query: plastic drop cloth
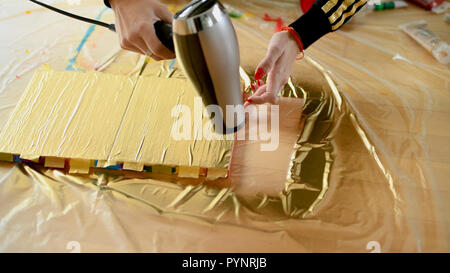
[362,166]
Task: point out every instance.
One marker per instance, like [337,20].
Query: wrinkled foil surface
[362,163]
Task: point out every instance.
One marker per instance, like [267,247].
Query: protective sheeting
[361,165]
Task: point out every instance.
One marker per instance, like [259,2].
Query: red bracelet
[297,39]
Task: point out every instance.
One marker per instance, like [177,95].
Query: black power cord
[74,16]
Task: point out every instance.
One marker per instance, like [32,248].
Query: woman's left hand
[278,62]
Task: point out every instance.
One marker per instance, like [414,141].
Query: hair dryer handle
[164,33]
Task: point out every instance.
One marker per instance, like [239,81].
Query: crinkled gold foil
[68,115]
[110,118]
[145,134]
[369,168]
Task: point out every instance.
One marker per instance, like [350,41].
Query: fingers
[156,47]
[152,41]
[144,40]
[128,45]
[275,81]
[278,63]
[139,35]
[164,14]
[257,98]
[154,44]
[258,93]
[276,78]
[266,65]
[129,39]
[138,43]
[262,96]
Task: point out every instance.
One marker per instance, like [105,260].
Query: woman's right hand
[134,24]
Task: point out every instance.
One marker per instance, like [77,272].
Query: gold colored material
[64,114]
[33,158]
[162,169]
[111,118]
[337,13]
[133,166]
[145,134]
[190,172]
[329,5]
[6,157]
[348,14]
[54,162]
[214,173]
[364,118]
[79,165]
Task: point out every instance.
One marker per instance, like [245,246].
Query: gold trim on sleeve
[329,5]
[333,17]
[348,14]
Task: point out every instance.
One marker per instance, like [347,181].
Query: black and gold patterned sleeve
[325,16]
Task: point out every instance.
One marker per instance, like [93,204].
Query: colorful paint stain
[82,43]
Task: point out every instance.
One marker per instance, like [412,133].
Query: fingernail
[252,87]
[249,100]
[260,82]
[259,74]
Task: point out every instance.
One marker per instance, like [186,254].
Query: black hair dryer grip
[164,33]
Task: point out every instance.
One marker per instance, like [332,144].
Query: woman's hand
[280,58]
[134,22]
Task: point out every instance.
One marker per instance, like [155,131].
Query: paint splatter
[172,63]
[83,41]
[19,67]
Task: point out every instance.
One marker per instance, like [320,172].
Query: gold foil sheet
[362,161]
[68,115]
[88,116]
[145,135]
